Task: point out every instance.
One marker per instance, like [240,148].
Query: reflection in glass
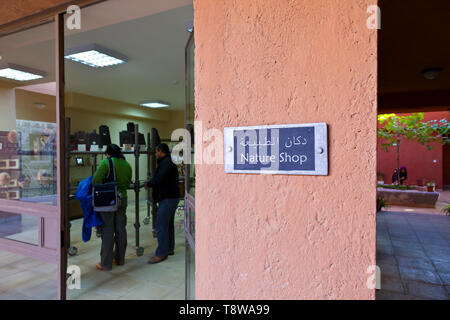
[19,227]
[192,222]
[28,163]
[24,278]
[191,275]
[191,111]
[28,116]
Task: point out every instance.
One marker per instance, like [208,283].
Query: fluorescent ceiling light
[20,73]
[95,56]
[154,104]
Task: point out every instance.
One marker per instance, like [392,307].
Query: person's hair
[163,147]
[114,150]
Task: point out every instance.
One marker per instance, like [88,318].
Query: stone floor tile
[434,241]
[406,244]
[448,289]
[445,277]
[176,294]
[442,266]
[425,290]
[408,252]
[385,249]
[383,258]
[390,270]
[408,273]
[409,238]
[392,284]
[148,291]
[418,263]
[389,295]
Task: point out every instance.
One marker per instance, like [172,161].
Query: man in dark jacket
[166,193]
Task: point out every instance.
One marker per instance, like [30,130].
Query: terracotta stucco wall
[15,9]
[281,62]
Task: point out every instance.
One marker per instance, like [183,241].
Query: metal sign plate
[300,149]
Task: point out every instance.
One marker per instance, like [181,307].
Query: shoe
[156,259]
[171,253]
[99,267]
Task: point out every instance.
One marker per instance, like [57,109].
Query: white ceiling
[154,45]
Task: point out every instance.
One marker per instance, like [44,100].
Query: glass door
[30,170]
[189,223]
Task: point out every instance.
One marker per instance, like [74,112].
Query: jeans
[114,233]
[165,228]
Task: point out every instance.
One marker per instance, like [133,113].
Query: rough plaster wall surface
[11,10]
[281,62]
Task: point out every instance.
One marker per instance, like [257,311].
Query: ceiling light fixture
[20,73]
[154,104]
[39,105]
[95,56]
[431,73]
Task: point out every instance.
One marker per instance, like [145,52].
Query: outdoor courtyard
[413,252]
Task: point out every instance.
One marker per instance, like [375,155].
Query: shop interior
[125,69]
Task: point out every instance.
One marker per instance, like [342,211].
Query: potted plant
[381,203]
[380,177]
[431,186]
[446,210]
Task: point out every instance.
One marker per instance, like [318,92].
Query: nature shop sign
[280,149]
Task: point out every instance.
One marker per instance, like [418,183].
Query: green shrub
[446,210]
[396,187]
[381,203]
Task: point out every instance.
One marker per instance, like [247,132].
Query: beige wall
[285,62]
[26,110]
[176,121]
[7,107]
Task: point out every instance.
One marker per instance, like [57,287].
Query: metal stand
[72,251]
[153,208]
[137,225]
[150,153]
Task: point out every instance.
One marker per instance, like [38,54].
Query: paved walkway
[413,253]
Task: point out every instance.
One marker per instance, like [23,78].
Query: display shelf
[136,186]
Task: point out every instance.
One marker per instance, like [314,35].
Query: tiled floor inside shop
[24,278]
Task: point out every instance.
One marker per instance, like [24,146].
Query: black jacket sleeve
[160,175]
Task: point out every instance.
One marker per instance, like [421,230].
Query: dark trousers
[165,227]
[114,233]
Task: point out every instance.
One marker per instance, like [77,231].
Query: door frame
[44,212]
[189,200]
[56,13]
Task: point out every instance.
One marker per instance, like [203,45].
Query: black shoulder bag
[105,196]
